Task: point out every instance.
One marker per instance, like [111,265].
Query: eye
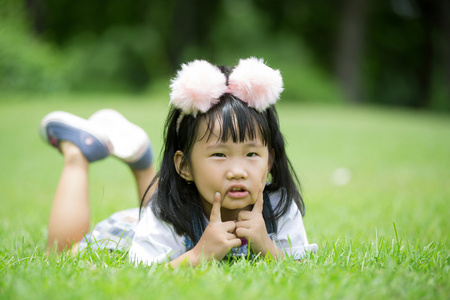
[252,154]
[218,155]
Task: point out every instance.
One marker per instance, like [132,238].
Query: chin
[237,204]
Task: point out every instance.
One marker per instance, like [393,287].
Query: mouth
[237,191]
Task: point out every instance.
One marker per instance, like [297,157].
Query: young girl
[225,185]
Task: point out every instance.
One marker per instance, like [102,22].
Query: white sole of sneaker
[130,142]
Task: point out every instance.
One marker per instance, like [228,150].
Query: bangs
[237,121]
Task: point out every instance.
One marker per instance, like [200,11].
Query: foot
[130,142]
[90,139]
[72,154]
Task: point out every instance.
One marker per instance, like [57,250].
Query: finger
[230,236]
[242,232]
[258,206]
[235,243]
[229,226]
[243,224]
[244,215]
[215,216]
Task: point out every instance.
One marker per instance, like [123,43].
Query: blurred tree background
[394,52]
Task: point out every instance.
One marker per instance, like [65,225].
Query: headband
[199,85]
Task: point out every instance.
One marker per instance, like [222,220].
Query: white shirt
[156,240]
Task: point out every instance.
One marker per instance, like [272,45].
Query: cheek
[264,179]
[206,182]
[264,171]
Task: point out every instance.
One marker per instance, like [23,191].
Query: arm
[291,236]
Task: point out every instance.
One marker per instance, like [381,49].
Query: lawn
[376,184]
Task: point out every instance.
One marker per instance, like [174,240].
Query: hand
[251,226]
[218,237]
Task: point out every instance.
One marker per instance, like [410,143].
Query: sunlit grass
[382,232]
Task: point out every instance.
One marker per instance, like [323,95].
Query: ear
[271,158]
[181,166]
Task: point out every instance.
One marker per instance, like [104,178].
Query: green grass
[384,234]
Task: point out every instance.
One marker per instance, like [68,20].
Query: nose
[236,171]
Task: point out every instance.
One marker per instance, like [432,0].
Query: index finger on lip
[258,206]
[215,216]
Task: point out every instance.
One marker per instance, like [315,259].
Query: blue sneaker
[62,126]
[130,142]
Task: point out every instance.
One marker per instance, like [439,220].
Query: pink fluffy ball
[254,82]
[197,87]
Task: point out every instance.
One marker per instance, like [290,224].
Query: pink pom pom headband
[199,85]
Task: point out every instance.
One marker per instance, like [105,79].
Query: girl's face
[235,170]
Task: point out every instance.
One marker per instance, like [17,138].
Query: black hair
[177,202]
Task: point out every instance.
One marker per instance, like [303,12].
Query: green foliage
[114,45]
[119,53]
[236,33]
[121,59]
[382,234]
[26,63]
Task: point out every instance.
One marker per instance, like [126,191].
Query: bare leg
[143,179]
[110,133]
[70,213]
